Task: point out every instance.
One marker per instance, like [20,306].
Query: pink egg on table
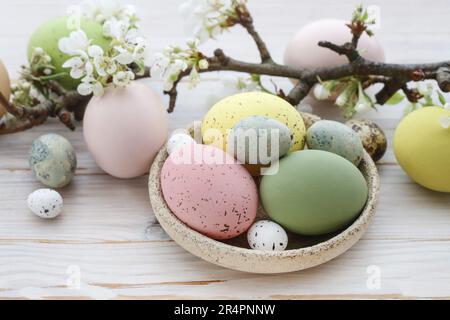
[124,129]
[303,52]
[209,191]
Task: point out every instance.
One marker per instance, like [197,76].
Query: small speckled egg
[53,160]
[225,114]
[337,138]
[178,140]
[313,192]
[5,86]
[267,235]
[309,119]
[45,203]
[209,191]
[372,137]
[259,140]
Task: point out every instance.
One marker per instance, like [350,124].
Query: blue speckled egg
[337,138]
[53,160]
[259,140]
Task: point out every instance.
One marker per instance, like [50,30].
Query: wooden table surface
[108,241]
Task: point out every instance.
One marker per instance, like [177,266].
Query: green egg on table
[259,140]
[313,192]
[47,37]
[337,138]
[53,160]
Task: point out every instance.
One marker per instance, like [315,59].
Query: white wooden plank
[161,270]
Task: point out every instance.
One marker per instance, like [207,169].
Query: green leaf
[395,99]
[442,99]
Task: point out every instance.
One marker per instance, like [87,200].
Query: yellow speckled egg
[422,147]
[5,85]
[224,115]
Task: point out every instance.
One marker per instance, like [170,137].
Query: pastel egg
[267,235]
[224,115]
[178,140]
[337,138]
[259,140]
[48,35]
[53,160]
[422,147]
[303,51]
[45,203]
[5,86]
[313,192]
[209,191]
[372,137]
[124,129]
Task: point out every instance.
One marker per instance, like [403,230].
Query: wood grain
[108,229]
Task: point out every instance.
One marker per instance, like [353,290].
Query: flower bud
[321,93]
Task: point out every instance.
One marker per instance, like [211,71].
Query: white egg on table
[267,236]
[45,203]
[179,140]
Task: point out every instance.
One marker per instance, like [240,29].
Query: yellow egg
[5,85]
[422,147]
[228,112]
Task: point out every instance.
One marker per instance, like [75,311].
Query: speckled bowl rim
[257,261]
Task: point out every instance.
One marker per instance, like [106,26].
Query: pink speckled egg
[209,191]
[124,129]
[303,52]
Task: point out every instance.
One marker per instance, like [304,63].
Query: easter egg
[309,119]
[337,138]
[267,235]
[224,115]
[303,51]
[53,160]
[5,86]
[422,147]
[209,191]
[178,140]
[124,129]
[259,140]
[372,137]
[45,203]
[47,37]
[314,192]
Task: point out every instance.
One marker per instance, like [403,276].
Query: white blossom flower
[78,67]
[76,44]
[203,64]
[320,92]
[96,67]
[208,18]
[90,85]
[105,10]
[342,100]
[364,103]
[123,78]
[447,106]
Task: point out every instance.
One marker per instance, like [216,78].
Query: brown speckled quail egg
[45,203]
[372,137]
[267,235]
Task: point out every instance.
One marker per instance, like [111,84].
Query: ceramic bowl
[302,252]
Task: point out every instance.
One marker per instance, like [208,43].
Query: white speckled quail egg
[267,235]
[178,140]
[45,203]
